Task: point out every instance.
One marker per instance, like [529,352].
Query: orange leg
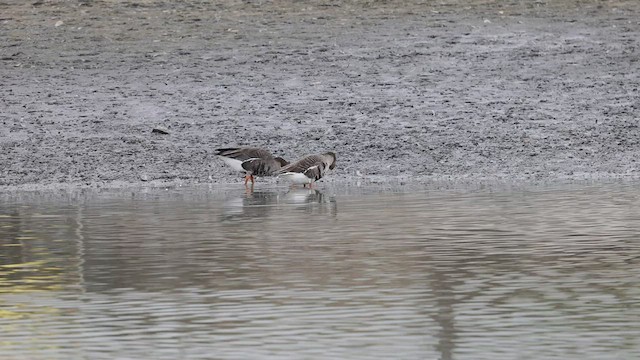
[246,179]
[252,180]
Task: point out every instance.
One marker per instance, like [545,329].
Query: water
[200,274]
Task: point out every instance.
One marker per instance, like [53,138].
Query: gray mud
[472,90]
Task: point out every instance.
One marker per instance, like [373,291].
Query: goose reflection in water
[253,204]
[312,201]
[258,204]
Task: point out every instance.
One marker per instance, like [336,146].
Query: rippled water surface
[202,273]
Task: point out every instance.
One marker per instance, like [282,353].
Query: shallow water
[202,273]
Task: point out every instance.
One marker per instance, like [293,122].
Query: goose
[251,161]
[309,169]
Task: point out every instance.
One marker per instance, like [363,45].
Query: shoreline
[396,184]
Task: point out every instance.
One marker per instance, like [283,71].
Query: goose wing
[261,167]
[244,153]
[303,164]
[315,172]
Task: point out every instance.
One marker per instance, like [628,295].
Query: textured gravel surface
[401,91]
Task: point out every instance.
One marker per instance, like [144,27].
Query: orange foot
[248,188]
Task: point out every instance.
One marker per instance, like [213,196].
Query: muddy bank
[401,91]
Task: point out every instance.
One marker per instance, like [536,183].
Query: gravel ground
[417,92]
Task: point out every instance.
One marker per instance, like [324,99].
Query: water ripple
[282,274]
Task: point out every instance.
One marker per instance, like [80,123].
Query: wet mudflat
[469,89]
[199,273]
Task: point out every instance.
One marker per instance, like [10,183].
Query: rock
[144,177]
[159,130]
[59,23]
